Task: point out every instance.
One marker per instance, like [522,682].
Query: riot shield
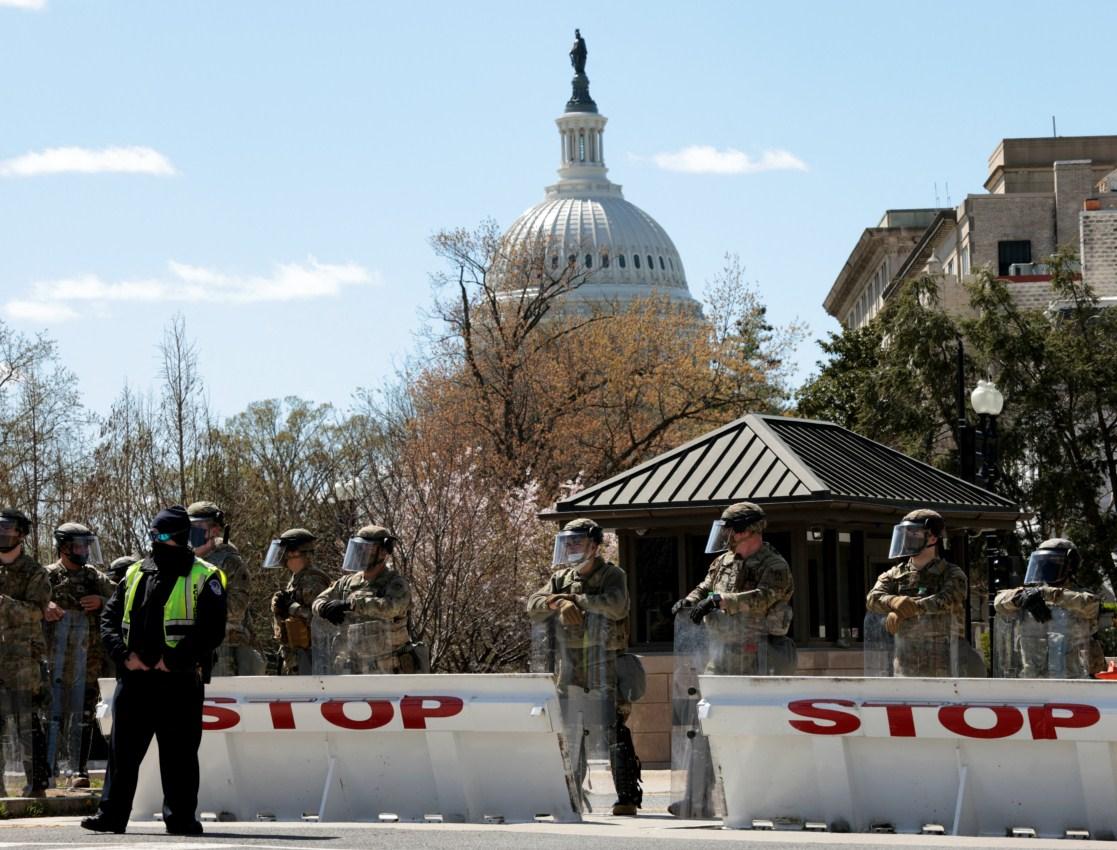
[328,656]
[878,646]
[68,641]
[586,675]
[1029,649]
[737,644]
[693,791]
[369,648]
[929,645]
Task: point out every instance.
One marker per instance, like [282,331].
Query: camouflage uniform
[74,640]
[24,593]
[756,589]
[926,643]
[375,628]
[303,588]
[1080,621]
[237,656]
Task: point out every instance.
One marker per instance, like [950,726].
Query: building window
[604,261]
[554,261]
[636,260]
[1012,251]
[672,263]
[661,266]
[589,261]
[620,259]
[571,260]
[651,265]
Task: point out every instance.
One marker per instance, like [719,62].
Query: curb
[29,807]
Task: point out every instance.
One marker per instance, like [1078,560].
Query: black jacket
[145,637]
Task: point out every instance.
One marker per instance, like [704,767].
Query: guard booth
[832,497]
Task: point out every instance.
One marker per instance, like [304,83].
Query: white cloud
[34,5]
[706,159]
[52,301]
[73,160]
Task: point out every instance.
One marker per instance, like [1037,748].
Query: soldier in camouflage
[1051,568]
[24,595]
[922,600]
[78,592]
[209,537]
[749,579]
[120,566]
[291,607]
[371,604]
[586,583]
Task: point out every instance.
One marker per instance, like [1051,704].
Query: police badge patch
[215,586]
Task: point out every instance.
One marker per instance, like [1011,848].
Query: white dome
[629,255]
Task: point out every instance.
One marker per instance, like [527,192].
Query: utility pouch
[298,633]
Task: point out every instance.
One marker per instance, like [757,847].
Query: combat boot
[100,823]
[624,809]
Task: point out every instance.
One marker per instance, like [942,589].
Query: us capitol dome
[584,219]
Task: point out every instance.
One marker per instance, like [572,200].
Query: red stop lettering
[218,718]
[1008,721]
[1044,723]
[415,712]
[282,715]
[380,712]
[839,722]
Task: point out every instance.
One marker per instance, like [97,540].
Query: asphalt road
[659,832]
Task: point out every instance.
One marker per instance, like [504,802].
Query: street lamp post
[988,402]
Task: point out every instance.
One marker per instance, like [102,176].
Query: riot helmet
[120,566]
[743,516]
[572,544]
[1054,562]
[14,526]
[203,516]
[363,550]
[78,544]
[909,536]
[292,540]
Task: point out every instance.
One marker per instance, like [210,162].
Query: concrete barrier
[466,748]
[965,757]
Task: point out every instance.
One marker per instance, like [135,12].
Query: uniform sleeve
[774,585]
[952,596]
[1084,604]
[393,604]
[29,609]
[238,589]
[314,585]
[208,632]
[877,600]
[112,625]
[612,601]
[1005,601]
[104,584]
[706,585]
[537,609]
[330,594]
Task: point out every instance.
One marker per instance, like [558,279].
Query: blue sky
[273,170]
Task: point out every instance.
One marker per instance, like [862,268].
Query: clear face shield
[1047,566]
[10,535]
[718,541]
[908,538]
[360,554]
[276,555]
[199,532]
[571,548]
[82,550]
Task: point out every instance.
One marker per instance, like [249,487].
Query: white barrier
[974,756]
[366,748]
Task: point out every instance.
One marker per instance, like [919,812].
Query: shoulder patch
[215,586]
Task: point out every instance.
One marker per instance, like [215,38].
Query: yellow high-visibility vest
[178,612]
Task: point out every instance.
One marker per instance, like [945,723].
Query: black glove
[281,604]
[680,605]
[699,612]
[1033,603]
[334,611]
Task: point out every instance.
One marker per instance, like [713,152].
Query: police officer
[371,603]
[291,607]
[209,537]
[78,592]
[922,600]
[24,595]
[586,584]
[161,627]
[1047,595]
[750,579]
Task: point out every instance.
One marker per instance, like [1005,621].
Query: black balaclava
[173,559]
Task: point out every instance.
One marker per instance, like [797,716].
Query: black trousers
[167,706]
